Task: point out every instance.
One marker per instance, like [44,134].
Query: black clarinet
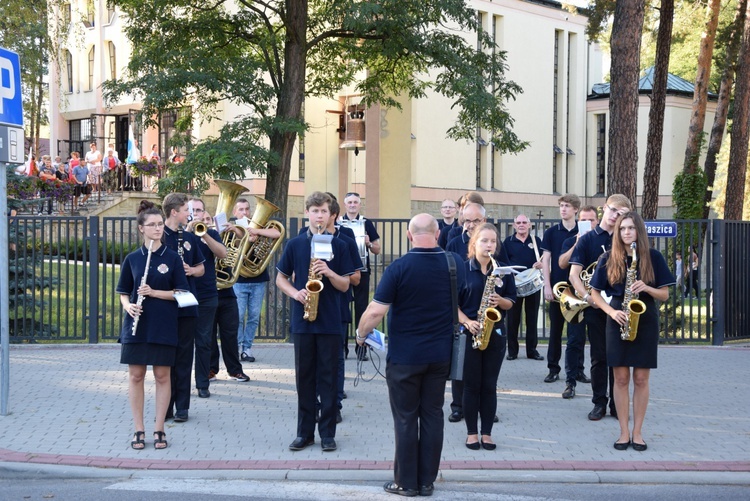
[180,250]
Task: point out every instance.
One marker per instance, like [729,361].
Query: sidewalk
[69,407]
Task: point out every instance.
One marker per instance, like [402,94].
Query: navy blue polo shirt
[158,320]
[662,275]
[191,255]
[442,224]
[521,252]
[206,285]
[590,246]
[471,296]
[460,245]
[446,235]
[417,287]
[295,260]
[554,236]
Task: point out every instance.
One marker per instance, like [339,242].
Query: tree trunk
[652,171]
[622,164]
[291,96]
[722,107]
[740,126]
[700,93]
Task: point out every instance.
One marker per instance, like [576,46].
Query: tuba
[228,269]
[314,286]
[260,251]
[486,315]
[631,305]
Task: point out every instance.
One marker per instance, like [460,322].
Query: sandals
[160,440]
[138,443]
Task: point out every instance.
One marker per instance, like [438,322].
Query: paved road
[69,407]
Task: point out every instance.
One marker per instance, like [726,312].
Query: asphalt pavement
[69,408]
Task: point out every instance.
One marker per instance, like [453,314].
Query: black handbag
[459,337]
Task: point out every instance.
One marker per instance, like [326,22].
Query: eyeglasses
[154,225]
[617,211]
[473,221]
[198,210]
[354,193]
[448,207]
[522,222]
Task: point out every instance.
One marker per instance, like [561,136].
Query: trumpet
[199,229]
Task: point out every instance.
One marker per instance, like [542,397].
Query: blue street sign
[661,229]
[11,104]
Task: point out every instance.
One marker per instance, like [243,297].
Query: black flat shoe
[475,446]
[536,357]
[622,446]
[488,447]
[511,357]
[426,490]
[455,417]
[639,447]
[394,488]
[300,443]
[203,393]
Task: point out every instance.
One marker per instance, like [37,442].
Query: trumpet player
[482,367]
[316,343]
[588,249]
[208,298]
[648,280]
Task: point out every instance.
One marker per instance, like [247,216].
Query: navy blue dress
[641,352]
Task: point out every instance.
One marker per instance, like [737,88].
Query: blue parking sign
[11,104]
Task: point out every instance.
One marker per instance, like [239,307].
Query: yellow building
[407,165]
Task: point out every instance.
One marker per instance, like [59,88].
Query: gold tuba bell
[260,251]
[228,269]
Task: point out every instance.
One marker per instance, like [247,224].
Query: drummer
[474,215]
[523,250]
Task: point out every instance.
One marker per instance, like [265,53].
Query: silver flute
[141,297]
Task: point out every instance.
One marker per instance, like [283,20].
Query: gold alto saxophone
[487,315]
[631,305]
[314,286]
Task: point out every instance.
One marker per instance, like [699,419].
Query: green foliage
[687,193]
[249,61]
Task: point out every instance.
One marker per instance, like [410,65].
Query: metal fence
[64,272]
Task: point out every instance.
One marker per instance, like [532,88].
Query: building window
[80,130]
[66,15]
[91,69]
[601,147]
[112,60]
[168,129]
[68,71]
[90,13]
[110,12]
[556,150]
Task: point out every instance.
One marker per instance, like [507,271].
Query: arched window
[91,68]
[68,71]
[112,60]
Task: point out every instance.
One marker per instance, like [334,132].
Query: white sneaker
[212,376]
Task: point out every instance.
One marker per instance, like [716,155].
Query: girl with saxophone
[484,292]
[635,277]
[148,278]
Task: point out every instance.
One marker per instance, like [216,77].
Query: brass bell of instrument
[571,306]
[260,251]
[228,269]
[199,229]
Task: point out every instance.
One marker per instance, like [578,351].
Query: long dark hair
[618,255]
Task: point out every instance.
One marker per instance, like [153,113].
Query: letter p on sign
[11,105]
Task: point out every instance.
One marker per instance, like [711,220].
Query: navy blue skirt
[147,354]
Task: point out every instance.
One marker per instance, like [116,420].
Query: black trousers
[574,351]
[316,359]
[481,369]
[204,327]
[226,325]
[554,349]
[361,300]
[530,306]
[417,393]
[183,363]
[601,376]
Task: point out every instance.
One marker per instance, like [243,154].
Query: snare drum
[528,282]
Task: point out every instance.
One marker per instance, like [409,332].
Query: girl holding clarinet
[149,276]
